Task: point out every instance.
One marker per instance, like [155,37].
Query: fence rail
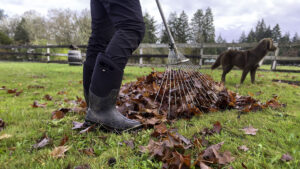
[201,56]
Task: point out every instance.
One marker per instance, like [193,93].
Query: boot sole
[110,129]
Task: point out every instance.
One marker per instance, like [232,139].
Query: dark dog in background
[247,60]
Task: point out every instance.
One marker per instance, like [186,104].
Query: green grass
[279,130]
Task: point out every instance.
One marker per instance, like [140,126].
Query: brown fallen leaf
[129,143]
[85,166]
[77,125]
[88,151]
[64,140]
[286,157]
[87,129]
[62,93]
[250,130]
[204,166]
[244,166]
[209,153]
[56,115]
[59,152]
[112,161]
[37,105]
[19,93]
[5,136]
[42,142]
[11,91]
[159,130]
[217,127]
[243,148]
[2,124]
[48,97]
[35,87]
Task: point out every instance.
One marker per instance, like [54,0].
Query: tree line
[65,26]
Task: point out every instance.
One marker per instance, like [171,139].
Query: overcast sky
[231,17]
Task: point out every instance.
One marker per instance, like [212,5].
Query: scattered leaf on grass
[2,124]
[35,87]
[61,92]
[129,143]
[64,140]
[87,129]
[48,97]
[217,127]
[56,115]
[18,93]
[44,141]
[244,166]
[112,161]
[59,152]
[5,136]
[85,166]
[243,148]
[88,151]
[286,157]
[250,130]
[11,91]
[177,160]
[77,125]
[38,105]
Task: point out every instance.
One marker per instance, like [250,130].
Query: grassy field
[278,130]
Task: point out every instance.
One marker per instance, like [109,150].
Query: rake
[183,89]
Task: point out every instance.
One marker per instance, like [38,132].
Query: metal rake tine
[183,86]
[201,91]
[202,77]
[164,91]
[170,88]
[188,86]
[178,84]
[160,86]
[196,75]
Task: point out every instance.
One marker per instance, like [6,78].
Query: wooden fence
[141,55]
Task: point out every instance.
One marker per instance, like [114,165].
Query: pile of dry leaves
[141,99]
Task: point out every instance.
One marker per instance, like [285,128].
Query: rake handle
[172,41]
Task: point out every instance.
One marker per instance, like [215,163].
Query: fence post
[201,57]
[274,63]
[48,54]
[141,58]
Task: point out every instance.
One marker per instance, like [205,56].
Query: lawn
[278,130]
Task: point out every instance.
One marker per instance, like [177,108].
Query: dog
[247,60]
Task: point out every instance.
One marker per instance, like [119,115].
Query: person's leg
[126,16]
[102,32]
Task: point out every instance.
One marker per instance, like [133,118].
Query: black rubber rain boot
[104,90]
[88,67]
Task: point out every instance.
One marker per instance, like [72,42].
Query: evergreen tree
[150,32]
[285,38]
[220,39]
[296,38]
[2,15]
[276,33]
[21,34]
[197,26]
[260,30]
[172,22]
[251,36]
[243,38]
[4,39]
[268,33]
[182,32]
[208,27]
